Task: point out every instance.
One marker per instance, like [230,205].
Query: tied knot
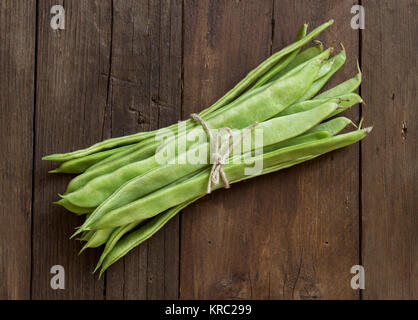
[220,152]
[218,158]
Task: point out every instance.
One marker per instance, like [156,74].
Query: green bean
[119,248]
[80,165]
[304,138]
[320,131]
[256,108]
[271,100]
[73,208]
[86,235]
[337,62]
[150,228]
[332,126]
[167,197]
[253,76]
[249,94]
[116,235]
[127,156]
[97,239]
[347,86]
[140,154]
[346,100]
[269,63]
[304,56]
[283,63]
[325,69]
[114,202]
[274,131]
[117,161]
[135,147]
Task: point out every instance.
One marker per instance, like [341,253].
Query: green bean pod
[274,131]
[347,86]
[160,220]
[86,235]
[345,101]
[98,238]
[117,249]
[167,197]
[116,235]
[80,165]
[337,62]
[73,208]
[332,126]
[142,153]
[256,108]
[253,76]
[304,56]
[150,228]
[283,63]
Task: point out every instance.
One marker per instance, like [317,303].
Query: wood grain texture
[289,235]
[314,212]
[118,67]
[390,153]
[71,93]
[145,94]
[223,40]
[17,25]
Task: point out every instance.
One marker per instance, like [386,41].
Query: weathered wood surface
[293,234]
[122,66]
[145,94]
[16,145]
[390,155]
[70,107]
[223,40]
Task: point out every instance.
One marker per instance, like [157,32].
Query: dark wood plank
[293,234]
[223,40]
[72,77]
[17,25]
[145,94]
[390,153]
[316,228]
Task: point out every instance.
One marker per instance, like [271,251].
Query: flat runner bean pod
[347,86]
[98,238]
[80,165]
[253,76]
[117,249]
[147,147]
[345,100]
[304,56]
[86,235]
[150,228]
[167,197]
[73,208]
[304,138]
[119,156]
[337,62]
[82,179]
[320,131]
[283,63]
[332,126]
[274,131]
[323,55]
[135,147]
[256,108]
[116,235]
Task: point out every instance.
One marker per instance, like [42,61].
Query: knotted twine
[220,152]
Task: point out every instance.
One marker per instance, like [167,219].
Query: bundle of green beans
[127,195]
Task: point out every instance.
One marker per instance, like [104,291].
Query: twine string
[220,152]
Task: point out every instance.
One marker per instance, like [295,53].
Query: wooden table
[124,66]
